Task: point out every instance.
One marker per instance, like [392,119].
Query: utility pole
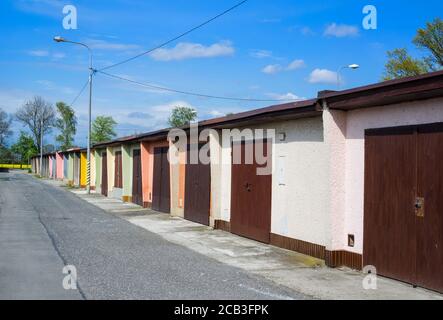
[41,145]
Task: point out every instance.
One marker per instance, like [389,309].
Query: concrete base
[286,268]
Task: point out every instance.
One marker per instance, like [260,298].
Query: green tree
[6,156]
[103,129]
[430,39]
[400,64]
[66,123]
[24,148]
[181,116]
[5,124]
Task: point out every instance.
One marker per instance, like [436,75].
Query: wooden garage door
[137,191]
[402,167]
[250,196]
[104,186]
[430,227]
[197,190]
[161,195]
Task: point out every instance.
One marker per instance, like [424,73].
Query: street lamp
[351,66]
[91,73]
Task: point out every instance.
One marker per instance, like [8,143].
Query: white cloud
[158,115]
[216,113]
[275,68]
[306,31]
[285,97]
[106,45]
[272,69]
[38,53]
[187,50]
[323,76]
[260,54]
[58,55]
[341,30]
[270,20]
[51,86]
[296,64]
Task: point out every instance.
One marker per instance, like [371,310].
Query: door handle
[248,186]
[420,207]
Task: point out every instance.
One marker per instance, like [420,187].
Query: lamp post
[41,146]
[351,66]
[91,73]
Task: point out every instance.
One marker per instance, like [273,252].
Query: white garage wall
[299,188]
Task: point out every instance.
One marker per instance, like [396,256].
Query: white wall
[299,198]
[422,112]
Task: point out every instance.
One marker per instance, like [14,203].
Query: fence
[15,166]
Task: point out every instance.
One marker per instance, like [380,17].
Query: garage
[161,193]
[403,207]
[137,191]
[250,195]
[104,185]
[197,190]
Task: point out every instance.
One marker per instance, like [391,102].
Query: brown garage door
[197,190]
[403,219]
[250,197]
[161,195]
[104,186]
[137,192]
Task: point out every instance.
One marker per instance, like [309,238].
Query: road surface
[44,228]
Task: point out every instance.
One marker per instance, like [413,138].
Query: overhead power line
[196,94]
[80,93]
[175,38]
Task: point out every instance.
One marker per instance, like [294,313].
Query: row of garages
[356,177]
[69,165]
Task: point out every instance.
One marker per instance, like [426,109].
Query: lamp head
[354,66]
[59,39]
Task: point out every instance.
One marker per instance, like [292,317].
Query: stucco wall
[177,182]
[147,156]
[112,190]
[127,170]
[422,112]
[71,167]
[93,169]
[59,159]
[50,166]
[83,169]
[98,169]
[299,192]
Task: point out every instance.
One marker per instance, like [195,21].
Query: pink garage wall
[59,165]
[147,155]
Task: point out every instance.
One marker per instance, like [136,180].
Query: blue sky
[264,49]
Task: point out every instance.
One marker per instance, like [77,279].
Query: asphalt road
[43,228]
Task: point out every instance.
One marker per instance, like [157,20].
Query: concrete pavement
[286,268]
[43,227]
[30,267]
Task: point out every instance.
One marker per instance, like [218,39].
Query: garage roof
[425,86]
